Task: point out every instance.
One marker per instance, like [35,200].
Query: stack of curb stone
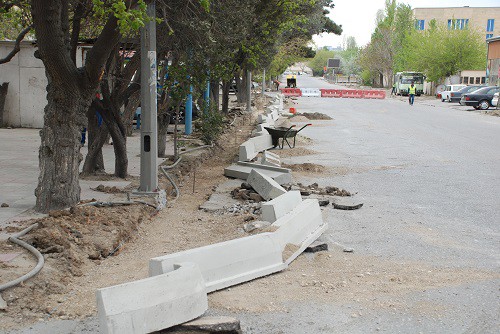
[176,291]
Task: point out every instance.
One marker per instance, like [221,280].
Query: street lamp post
[149,134]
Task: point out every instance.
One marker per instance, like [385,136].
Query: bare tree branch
[17,46]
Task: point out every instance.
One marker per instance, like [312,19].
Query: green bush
[211,124]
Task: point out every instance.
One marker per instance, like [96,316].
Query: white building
[26,96]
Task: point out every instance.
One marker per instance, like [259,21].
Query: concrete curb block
[280,206]
[228,263]
[300,227]
[153,303]
[249,149]
[242,172]
[264,185]
[270,159]
[266,167]
[262,127]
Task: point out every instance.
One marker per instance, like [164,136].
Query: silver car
[494,100]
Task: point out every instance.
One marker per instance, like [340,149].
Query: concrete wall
[26,98]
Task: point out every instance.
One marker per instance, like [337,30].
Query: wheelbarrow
[284,134]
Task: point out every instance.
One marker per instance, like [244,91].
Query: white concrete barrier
[230,262]
[264,185]
[261,118]
[241,170]
[153,303]
[262,127]
[270,159]
[280,206]
[271,108]
[249,149]
[311,92]
[299,227]
[273,115]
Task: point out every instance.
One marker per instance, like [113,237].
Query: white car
[445,95]
[494,100]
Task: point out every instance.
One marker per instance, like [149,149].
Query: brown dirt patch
[306,167]
[90,248]
[316,116]
[334,277]
[300,148]
[299,119]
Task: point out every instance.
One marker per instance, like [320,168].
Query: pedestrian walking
[393,91]
[276,84]
[411,93]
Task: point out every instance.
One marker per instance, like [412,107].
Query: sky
[357,17]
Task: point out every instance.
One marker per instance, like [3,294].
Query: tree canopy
[198,40]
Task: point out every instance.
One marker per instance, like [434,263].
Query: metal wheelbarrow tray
[284,134]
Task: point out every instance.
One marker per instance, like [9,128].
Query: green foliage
[210,125]
[349,57]
[287,55]
[13,20]
[129,19]
[319,61]
[384,52]
[366,77]
[441,52]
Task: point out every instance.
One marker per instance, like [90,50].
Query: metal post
[149,134]
[188,112]
[249,92]
[206,96]
[263,82]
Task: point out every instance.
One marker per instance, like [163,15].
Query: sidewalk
[19,172]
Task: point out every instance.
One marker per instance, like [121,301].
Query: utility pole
[263,82]
[249,92]
[206,95]
[149,134]
[188,112]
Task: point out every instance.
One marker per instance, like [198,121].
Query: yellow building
[486,20]
[493,68]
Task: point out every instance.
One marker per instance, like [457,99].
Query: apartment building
[493,69]
[486,20]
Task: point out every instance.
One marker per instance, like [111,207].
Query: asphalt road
[429,178]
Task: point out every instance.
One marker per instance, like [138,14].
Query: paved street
[428,176]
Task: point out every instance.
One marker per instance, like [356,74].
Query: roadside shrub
[211,124]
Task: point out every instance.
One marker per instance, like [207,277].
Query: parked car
[481,98]
[445,95]
[455,96]
[494,100]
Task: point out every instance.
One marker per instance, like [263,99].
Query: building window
[465,80]
[489,36]
[458,24]
[483,80]
[478,80]
[490,26]
[471,80]
[420,24]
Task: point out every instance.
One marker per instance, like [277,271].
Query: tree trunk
[242,86]
[117,132]
[128,115]
[225,96]
[214,93]
[163,121]
[3,95]
[59,155]
[97,137]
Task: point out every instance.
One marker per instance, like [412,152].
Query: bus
[403,80]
